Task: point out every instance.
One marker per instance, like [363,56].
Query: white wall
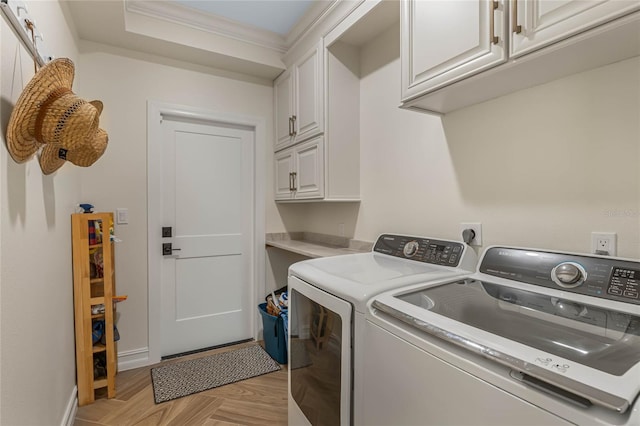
[37,352]
[542,167]
[528,166]
[118,179]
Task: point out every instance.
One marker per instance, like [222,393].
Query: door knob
[167,249]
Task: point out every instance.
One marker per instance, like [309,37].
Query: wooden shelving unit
[93,284]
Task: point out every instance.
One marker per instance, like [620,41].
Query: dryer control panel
[421,249]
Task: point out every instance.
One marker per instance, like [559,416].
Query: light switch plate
[122,216]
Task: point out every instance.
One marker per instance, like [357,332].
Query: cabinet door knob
[293,126]
[492,19]
[294,181]
[515,28]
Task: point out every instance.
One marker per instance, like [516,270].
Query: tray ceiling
[278,16]
[244,38]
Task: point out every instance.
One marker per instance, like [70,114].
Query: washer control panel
[421,249]
[624,282]
[604,277]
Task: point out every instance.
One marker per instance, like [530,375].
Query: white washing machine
[534,337]
[327,303]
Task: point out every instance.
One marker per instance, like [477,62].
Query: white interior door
[207,195]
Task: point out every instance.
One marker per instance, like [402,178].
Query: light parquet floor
[260,400]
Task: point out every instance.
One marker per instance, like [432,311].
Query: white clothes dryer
[327,304]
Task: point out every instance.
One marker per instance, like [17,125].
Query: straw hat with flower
[49,113]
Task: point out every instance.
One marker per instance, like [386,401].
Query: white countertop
[316,245]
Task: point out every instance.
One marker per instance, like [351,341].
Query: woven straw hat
[48,112]
[54,155]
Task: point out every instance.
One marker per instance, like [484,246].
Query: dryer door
[319,355]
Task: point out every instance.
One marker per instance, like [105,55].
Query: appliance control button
[411,248]
[568,274]
[615,291]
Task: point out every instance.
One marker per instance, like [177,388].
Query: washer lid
[586,349]
[358,277]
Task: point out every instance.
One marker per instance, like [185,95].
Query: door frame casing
[155,113]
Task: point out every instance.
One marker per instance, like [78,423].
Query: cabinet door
[309,94]
[537,23]
[284,174]
[309,169]
[445,41]
[283,102]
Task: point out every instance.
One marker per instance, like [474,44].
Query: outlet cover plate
[477,228]
[604,242]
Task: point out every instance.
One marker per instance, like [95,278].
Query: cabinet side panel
[342,147]
[81,289]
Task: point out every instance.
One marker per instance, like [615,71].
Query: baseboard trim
[69,417]
[128,360]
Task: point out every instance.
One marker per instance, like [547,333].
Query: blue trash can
[274,336]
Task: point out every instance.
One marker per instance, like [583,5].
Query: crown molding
[310,20]
[203,21]
[316,24]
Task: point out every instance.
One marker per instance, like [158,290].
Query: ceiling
[278,16]
[248,37]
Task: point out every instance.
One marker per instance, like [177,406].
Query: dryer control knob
[411,248]
[568,275]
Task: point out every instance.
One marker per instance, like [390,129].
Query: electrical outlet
[604,243]
[477,229]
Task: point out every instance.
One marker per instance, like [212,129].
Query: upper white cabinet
[537,23]
[299,171]
[326,167]
[457,53]
[299,100]
[284,111]
[444,41]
